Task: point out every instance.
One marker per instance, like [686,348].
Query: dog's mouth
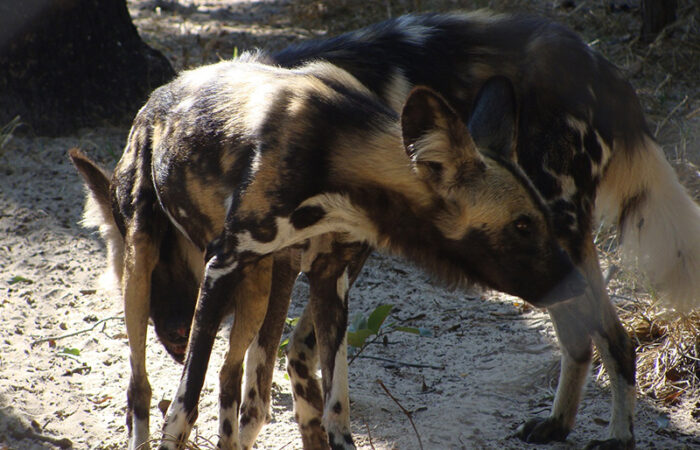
[177,351]
[174,339]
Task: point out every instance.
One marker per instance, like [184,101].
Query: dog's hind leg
[329,280]
[262,353]
[302,363]
[141,256]
[251,301]
[303,357]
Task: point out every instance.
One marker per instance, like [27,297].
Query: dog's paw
[542,430]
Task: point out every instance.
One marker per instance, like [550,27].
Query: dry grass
[667,342]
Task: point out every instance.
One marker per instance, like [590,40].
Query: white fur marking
[414,33]
[339,424]
[213,274]
[176,422]
[139,432]
[663,232]
[227,203]
[230,414]
[341,216]
[342,285]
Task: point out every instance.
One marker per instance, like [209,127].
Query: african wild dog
[260,169]
[582,140]
[176,277]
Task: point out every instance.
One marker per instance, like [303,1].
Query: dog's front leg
[576,321]
[221,276]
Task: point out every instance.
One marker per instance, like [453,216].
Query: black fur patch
[592,146]
[227,428]
[300,368]
[306,216]
[628,207]
[310,341]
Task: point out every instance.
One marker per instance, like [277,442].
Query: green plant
[374,326]
[292,322]
[363,328]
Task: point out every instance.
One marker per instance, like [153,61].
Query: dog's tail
[98,214]
[658,222]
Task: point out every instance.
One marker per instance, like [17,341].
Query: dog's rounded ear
[425,111]
[436,140]
[493,123]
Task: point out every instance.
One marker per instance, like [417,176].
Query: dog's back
[582,136]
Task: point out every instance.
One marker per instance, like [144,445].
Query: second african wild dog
[252,164]
[582,140]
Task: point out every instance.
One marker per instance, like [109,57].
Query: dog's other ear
[436,139]
[96,179]
[493,122]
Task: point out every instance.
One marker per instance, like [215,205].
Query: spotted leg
[141,256]
[250,308]
[223,274]
[329,280]
[591,316]
[302,363]
[262,354]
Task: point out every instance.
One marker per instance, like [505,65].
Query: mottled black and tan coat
[238,164]
[574,125]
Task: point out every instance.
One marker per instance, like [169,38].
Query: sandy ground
[493,362]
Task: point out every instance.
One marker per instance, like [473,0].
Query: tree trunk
[66,64]
[656,14]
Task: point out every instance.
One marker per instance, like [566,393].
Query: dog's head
[175,279]
[496,226]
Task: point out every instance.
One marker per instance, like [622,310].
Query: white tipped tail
[658,222]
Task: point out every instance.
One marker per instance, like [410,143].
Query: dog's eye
[523,224]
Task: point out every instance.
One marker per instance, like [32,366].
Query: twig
[286,445]
[421,366]
[82,369]
[364,346]
[579,7]
[662,84]
[369,434]
[668,116]
[404,410]
[75,333]
[692,113]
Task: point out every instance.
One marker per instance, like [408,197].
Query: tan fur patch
[494,199]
